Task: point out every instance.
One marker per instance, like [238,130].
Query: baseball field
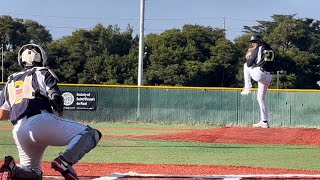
[158,151]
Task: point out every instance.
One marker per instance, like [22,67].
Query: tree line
[194,55]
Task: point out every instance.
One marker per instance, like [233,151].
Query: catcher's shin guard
[85,142]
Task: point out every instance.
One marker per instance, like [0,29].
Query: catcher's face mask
[30,54]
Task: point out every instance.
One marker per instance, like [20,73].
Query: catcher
[29,99]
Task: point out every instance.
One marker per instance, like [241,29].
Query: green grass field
[122,150]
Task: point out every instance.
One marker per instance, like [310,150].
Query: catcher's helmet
[32,55]
[255,38]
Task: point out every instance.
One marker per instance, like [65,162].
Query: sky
[62,17]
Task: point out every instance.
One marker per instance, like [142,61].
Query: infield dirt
[236,135]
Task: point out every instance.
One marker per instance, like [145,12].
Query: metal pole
[2,62]
[277,79]
[141,55]
[141,44]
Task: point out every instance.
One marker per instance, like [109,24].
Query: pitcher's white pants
[264,81]
[33,135]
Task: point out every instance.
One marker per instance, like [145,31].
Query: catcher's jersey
[26,92]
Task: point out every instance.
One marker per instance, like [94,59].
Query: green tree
[295,41]
[37,33]
[192,56]
[224,62]
[178,56]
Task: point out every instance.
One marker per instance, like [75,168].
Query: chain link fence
[192,105]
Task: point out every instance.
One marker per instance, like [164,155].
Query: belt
[33,113]
[28,115]
[265,71]
[262,69]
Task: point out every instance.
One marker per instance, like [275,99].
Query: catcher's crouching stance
[29,99]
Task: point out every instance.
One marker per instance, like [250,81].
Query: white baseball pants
[33,135]
[264,81]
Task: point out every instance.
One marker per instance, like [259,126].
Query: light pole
[141,44]
[277,79]
[1,62]
[279,72]
[141,54]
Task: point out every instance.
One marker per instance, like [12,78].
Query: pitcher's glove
[248,54]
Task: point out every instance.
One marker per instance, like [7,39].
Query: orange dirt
[238,135]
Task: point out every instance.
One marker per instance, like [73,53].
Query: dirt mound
[243,135]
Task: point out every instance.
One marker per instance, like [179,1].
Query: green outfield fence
[194,105]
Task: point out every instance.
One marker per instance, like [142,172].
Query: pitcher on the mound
[259,67]
[31,99]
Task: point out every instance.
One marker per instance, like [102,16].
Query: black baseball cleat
[5,173]
[61,165]
[6,168]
